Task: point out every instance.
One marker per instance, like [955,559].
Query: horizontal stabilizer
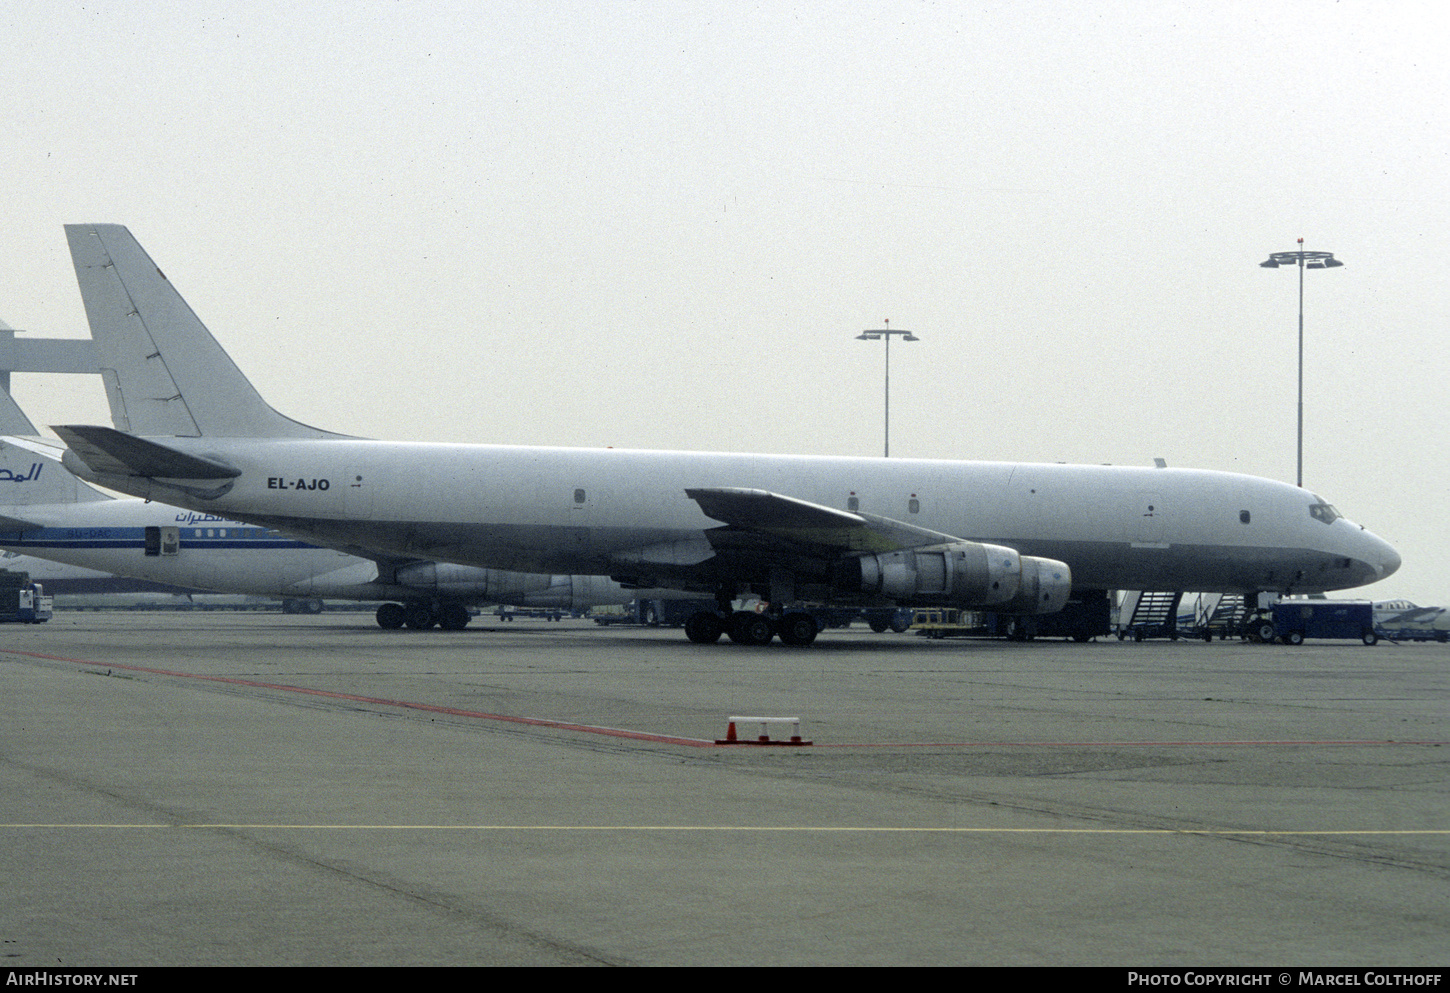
[811,523]
[109,452]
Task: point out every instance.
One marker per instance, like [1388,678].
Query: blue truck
[1295,620]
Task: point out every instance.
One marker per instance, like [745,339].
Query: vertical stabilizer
[12,419]
[164,372]
[28,478]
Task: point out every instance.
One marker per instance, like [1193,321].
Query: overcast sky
[661,225]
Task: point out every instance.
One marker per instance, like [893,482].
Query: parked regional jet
[47,512]
[794,530]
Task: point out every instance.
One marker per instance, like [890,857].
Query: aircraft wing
[112,453]
[806,523]
[48,447]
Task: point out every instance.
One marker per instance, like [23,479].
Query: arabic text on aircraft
[8,476]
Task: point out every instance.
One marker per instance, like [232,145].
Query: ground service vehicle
[1295,620]
[22,601]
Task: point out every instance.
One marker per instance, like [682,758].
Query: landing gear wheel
[454,617]
[798,628]
[748,628]
[391,616]
[419,616]
[703,628]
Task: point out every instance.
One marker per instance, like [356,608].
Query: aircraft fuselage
[625,513]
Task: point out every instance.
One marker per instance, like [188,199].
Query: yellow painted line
[743,828]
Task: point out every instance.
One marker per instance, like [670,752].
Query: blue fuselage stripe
[79,538]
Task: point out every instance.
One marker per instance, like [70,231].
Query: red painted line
[1115,744]
[670,739]
[384,702]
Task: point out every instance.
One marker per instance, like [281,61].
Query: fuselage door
[163,541]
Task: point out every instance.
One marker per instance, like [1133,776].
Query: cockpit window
[1324,512]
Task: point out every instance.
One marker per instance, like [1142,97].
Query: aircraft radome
[798,531]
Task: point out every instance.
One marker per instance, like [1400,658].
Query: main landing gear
[746,627]
[421,615]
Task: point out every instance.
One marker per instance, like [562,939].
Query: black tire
[749,628]
[453,617]
[419,616]
[1265,632]
[1370,638]
[1295,637]
[703,628]
[798,628]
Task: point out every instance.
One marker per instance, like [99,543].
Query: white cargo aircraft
[795,530]
[47,512]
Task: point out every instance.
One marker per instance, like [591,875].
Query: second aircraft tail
[29,478]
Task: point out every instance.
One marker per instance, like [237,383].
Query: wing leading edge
[850,555]
[811,523]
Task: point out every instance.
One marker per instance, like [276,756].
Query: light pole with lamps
[886,333]
[1304,260]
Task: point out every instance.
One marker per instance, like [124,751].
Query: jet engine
[518,589]
[966,574]
[474,583]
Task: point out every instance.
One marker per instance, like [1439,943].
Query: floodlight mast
[1304,260]
[886,333]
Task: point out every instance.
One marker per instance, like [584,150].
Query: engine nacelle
[1046,585]
[517,589]
[471,582]
[965,574]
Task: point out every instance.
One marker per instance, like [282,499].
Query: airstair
[1149,614]
[1222,614]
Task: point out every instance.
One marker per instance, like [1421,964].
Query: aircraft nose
[1390,561]
[1380,556]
